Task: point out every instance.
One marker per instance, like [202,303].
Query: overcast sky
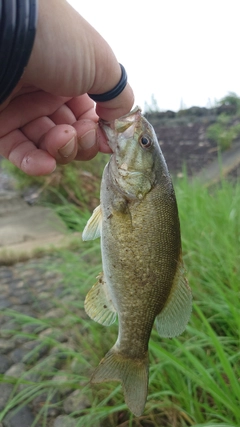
[183,52]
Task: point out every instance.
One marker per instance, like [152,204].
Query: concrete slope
[27,231]
[228,161]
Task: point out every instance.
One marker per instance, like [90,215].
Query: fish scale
[143,277]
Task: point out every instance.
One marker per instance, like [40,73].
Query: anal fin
[98,304]
[173,319]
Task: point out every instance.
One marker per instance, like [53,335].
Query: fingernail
[87,140]
[68,149]
[55,167]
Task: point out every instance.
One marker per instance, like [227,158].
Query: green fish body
[143,273]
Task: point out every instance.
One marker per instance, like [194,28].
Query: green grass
[194,379]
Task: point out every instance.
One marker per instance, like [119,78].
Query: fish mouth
[107,127]
[124,125]
[118,124]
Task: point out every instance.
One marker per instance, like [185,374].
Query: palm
[36,126]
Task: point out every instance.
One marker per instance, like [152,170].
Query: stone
[55,313]
[46,365]
[64,421]
[55,334]
[5,303]
[29,225]
[50,404]
[16,418]
[75,402]
[18,354]
[9,328]
[26,298]
[4,289]
[5,363]
[10,201]
[16,284]
[24,309]
[6,275]
[29,377]
[17,292]
[6,346]
[34,350]
[36,283]
[62,381]
[32,231]
[78,367]
[68,321]
[69,298]
[59,291]
[59,356]
[16,370]
[4,318]
[32,328]
[20,339]
[44,295]
[43,305]
[5,392]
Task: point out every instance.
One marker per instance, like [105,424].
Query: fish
[143,279]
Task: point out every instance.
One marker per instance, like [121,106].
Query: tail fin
[133,373]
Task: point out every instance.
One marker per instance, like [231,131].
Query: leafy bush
[232,102]
[77,182]
[223,132]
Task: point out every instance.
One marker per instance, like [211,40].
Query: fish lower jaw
[120,189]
[123,167]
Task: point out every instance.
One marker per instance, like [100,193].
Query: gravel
[32,291]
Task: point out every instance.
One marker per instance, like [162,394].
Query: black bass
[143,273]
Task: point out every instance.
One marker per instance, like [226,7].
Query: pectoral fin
[93,227]
[98,304]
[173,319]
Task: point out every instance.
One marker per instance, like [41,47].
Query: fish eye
[145,141]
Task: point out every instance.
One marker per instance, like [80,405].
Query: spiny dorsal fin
[98,304]
[133,374]
[173,319]
[93,227]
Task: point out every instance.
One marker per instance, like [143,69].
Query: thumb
[117,107]
[70,58]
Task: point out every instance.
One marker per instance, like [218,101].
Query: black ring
[113,93]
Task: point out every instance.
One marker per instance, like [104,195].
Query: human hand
[49,118]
